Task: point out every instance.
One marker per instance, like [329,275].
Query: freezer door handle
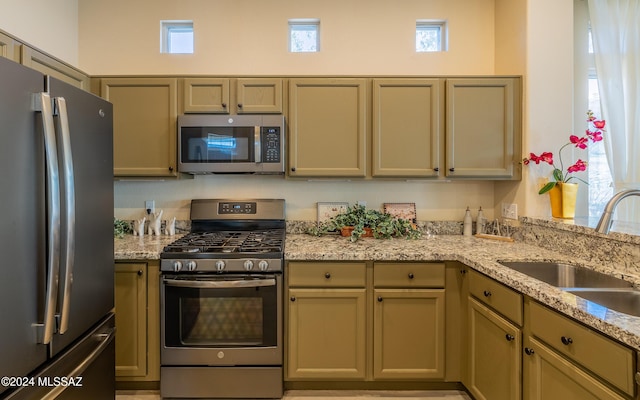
[64,140]
[105,339]
[46,329]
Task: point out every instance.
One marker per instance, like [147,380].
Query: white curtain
[615,30]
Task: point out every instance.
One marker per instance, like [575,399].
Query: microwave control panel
[271,138]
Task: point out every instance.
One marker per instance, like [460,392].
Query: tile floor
[331,395]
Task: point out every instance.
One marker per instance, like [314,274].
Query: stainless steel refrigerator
[56,239]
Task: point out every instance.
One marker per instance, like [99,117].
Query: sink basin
[624,301]
[564,275]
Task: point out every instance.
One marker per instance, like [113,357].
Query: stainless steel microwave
[225,144]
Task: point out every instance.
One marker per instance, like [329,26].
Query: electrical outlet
[510,210]
[362,203]
[150,206]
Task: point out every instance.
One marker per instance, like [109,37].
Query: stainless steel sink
[624,301]
[564,275]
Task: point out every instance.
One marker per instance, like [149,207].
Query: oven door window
[218,144]
[226,315]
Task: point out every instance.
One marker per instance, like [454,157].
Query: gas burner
[247,242]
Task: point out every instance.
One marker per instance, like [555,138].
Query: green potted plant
[359,222]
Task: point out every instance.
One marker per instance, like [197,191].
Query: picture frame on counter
[328,210]
[401,210]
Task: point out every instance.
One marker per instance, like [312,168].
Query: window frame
[166,28]
[312,24]
[430,24]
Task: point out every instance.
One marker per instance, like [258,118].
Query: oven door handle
[220,284]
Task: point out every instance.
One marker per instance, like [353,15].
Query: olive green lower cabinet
[494,342]
[137,308]
[334,306]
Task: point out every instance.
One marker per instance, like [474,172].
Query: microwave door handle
[70,211]
[43,104]
[220,284]
[257,145]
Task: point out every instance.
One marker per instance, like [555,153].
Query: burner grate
[229,242]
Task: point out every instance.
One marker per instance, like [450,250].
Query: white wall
[51,26]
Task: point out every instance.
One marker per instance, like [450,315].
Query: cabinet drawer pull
[293,298]
[486,293]
[380,299]
[463,271]
[327,275]
[410,275]
[509,337]
[566,340]
[528,351]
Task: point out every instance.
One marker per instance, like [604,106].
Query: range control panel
[240,207]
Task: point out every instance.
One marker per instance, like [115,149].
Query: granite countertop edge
[480,254]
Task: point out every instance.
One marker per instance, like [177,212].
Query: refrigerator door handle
[105,339]
[64,140]
[46,329]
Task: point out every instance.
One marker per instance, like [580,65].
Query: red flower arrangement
[594,133]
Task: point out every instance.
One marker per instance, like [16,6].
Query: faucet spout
[604,225]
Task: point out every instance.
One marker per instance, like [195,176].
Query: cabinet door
[326,334]
[327,127]
[144,125]
[483,128]
[206,95]
[407,127]
[259,95]
[50,66]
[408,334]
[548,375]
[131,319]
[8,48]
[494,355]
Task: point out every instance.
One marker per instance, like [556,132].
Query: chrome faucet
[604,225]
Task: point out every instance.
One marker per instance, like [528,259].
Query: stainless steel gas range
[221,302]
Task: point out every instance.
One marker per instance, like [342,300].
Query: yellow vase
[563,200]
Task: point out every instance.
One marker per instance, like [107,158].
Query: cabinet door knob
[509,337]
[170,169]
[452,169]
[529,351]
[566,340]
[380,299]
[293,169]
[293,298]
[486,293]
[436,169]
[224,105]
[239,105]
[327,275]
[410,275]
[140,272]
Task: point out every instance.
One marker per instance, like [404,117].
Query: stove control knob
[191,265]
[263,265]
[248,265]
[177,266]
[220,265]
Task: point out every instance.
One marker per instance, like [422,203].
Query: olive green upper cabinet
[407,127]
[483,128]
[215,95]
[144,125]
[48,65]
[259,95]
[8,48]
[206,95]
[327,127]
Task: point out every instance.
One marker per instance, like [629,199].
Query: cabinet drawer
[604,357]
[504,300]
[408,275]
[326,274]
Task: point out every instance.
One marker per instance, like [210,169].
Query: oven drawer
[326,274]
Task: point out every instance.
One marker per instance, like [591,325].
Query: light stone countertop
[479,254]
